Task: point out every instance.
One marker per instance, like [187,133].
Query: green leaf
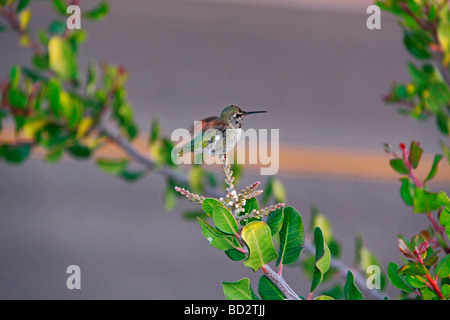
[224,220]
[237,172]
[322,258]
[442,269]
[195,178]
[14,76]
[112,166]
[444,199]
[419,76]
[400,92]
[60,6]
[358,250]
[319,220]
[24,20]
[428,293]
[79,151]
[76,37]
[399,166]
[99,12]
[34,75]
[53,94]
[446,290]
[407,191]
[216,238]
[54,155]
[131,176]
[434,167]
[279,192]
[442,121]
[268,190]
[62,58]
[268,291]
[397,280]
[17,98]
[71,108]
[415,153]
[235,255]
[40,61]
[250,204]
[425,201]
[324,297]
[444,219]
[443,33]
[208,205]
[155,131]
[57,27]
[275,221]
[416,281]
[412,269]
[439,96]
[258,238]
[170,197]
[15,153]
[417,43]
[238,290]
[351,291]
[92,78]
[292,237]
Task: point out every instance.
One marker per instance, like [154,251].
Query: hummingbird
[217,135]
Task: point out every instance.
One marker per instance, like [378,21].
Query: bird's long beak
[252,112]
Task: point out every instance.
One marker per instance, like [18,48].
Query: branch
[431,282]
[432,27]
[11,17]
[343,269]
[148,163]
[281,284]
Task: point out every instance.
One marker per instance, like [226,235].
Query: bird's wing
[204,125]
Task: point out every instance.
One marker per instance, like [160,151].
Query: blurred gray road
[320,74]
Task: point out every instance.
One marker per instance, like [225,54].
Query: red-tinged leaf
[403,247]
[412,269]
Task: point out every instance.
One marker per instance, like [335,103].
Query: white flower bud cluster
[234,201]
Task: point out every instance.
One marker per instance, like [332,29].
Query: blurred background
[317,70]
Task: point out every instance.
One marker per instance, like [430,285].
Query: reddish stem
[430,279]
[280,269]
[412,174]
[419,184]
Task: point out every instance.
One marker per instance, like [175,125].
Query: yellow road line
[371,165]
[308,161]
